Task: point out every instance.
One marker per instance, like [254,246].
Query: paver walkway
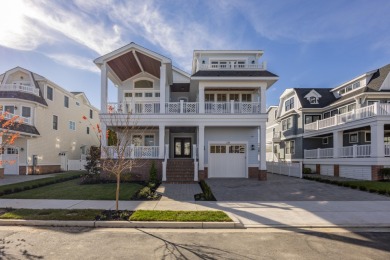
[283,188]
[178,192]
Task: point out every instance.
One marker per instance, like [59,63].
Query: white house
[210,124]
[51,126]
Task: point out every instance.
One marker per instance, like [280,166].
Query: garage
[327,170]
[355,172]
[11,161]
[227,161]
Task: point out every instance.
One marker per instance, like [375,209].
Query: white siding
[355,172]
[327,170]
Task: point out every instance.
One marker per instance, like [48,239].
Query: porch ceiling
[126,65]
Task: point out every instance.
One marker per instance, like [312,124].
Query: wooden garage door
[327,170]
[227,161]
[355,172]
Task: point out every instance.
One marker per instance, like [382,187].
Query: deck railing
[19,119]
[353,151]
[360,113]
[146,107]
[229,66]
[20,87]
[131,152]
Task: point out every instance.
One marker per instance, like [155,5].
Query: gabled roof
[377,79]
[326,99]
[234,73]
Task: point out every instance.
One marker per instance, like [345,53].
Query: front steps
[180,171]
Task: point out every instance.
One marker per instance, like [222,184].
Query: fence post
[300,169]
[181,106]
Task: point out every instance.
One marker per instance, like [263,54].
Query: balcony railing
[20,87]
[19,119]
[361,113]
[131,152]
[231,107]
[387,149]
[232,66]
[355,151]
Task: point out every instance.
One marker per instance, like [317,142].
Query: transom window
[289,104]
[225,97]
[349,88]
[143,84]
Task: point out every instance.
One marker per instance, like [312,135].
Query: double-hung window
[289,104]
[290,147]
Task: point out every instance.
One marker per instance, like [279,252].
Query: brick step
[180,182]
[180,176]
[180,170]
[178,179]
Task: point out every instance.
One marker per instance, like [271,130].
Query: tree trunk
[118,182]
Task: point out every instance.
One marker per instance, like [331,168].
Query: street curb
[121,224]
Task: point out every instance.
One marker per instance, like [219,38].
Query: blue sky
[308,43]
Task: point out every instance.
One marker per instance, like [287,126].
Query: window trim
[291,104]
[70,124]
[52,93]
[90,113]
[365,136]
[357,137]
[56,122]
[22,111]
[327,140]
[285,124]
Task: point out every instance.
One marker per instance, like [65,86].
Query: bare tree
[120,156]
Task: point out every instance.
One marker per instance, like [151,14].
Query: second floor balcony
[20,87]
[354,151]
[376,109]
[144,107]
[17,118]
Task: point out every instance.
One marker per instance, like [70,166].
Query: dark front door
[182,147]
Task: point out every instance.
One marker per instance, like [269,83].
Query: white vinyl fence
[285,168]
[76,165]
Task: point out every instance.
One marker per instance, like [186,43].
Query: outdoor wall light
[252,147]
[203,61]
[21,149]
[253,62]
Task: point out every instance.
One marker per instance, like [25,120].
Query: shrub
[382,191]
[90,179]
[8,191]
[153,173]
[17,189]
[353,186]
[363,188]
[372,190]
[93,160]
[144,193]
[306,171]
[152,185]
[385,172]
[334,182]
[346,184]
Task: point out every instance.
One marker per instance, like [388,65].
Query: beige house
[52,129]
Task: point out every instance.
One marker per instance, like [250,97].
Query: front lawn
[377,186]
[51,214]
[71,190]
[180,216]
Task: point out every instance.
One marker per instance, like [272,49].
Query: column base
[203,174]
[375,173]
[336,170]
[1,173]
[262,175]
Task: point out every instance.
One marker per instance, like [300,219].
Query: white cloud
[74,61]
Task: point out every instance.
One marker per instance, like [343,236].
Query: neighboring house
[51,126]
[205,125]
[343,131]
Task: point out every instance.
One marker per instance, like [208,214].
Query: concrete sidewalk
[284,214]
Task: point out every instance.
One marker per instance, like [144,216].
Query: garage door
[327,170]
[11,161]
[227,161]
[355,172]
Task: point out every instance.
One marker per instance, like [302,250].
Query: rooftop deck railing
[20,87]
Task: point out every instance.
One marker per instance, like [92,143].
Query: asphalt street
[266,243]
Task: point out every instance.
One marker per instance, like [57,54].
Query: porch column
[201,147]
[262,100]
[103,88]
[201,99]
[161,140]
[337,143]
[377,140]
[1,158]
[103,140]
[163,83]
[262,141]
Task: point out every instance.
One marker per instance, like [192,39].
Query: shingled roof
[234,73]
[23,95]
[377,79]
[326,99]
[28,129]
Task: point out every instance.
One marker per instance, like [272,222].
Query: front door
[182,147]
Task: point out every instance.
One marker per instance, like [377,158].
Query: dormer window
[313,100]
[349,88]
[289,104]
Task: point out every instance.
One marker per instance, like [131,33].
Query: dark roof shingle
[28,129]
[23,95]
[326,98]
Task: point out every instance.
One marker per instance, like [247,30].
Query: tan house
[52,129]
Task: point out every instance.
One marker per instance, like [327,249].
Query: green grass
[27,185]
[181,216]
[71,190]
[375,185]
[51,214]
